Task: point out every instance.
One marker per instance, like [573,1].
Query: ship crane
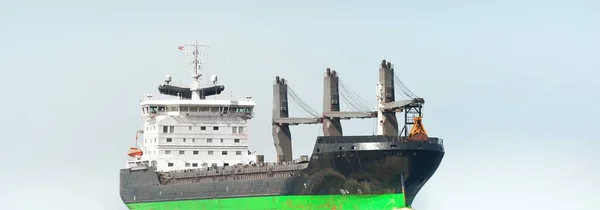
[330,118]
[334,90]
[412,105]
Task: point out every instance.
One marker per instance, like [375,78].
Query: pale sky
[511,86]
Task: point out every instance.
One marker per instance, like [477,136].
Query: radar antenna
[193,51]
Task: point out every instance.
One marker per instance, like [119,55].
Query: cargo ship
[194,152]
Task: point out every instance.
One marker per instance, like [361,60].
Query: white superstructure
[196,132]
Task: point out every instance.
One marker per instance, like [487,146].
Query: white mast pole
[197,63]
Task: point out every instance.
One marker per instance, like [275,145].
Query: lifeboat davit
[135,152]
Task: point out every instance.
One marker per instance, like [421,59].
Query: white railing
[167,97]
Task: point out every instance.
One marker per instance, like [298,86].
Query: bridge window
[208,140]
[194,164]
[215,109]
[224,153]
[236,140]
[238,152]
[196,152]
[170,164]
[172,108]
[204,164]
[203,128]
[183,108]
[167,152]
[210,152]
[181,152]
[241,130]
[244,109]
[169,139]
[187,164]
[215,128]
[153,109]
[234,129]
[183,140]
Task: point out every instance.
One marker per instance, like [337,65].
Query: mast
[197,63]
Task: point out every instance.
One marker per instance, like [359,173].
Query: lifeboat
[135,152]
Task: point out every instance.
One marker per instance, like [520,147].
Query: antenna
[193,53]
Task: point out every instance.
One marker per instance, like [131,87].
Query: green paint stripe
[316,202]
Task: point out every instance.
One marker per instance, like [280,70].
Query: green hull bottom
[337,202]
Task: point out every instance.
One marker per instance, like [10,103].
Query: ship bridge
[193,127]
[331,115]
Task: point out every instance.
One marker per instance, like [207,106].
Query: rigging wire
[350,104]
[360,100]
[402,88]
[352,98]
[301,103]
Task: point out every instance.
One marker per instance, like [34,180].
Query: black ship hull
[345,165]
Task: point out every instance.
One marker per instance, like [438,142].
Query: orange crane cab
[417,132]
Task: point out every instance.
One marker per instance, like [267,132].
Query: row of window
[234,129]
[196,164]
[184,140]
[183,108]
[196,152]
[193,140]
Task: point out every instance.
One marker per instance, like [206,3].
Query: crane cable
[353,99]
[359,103]
[350,104]
[301,103]
[402,88]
